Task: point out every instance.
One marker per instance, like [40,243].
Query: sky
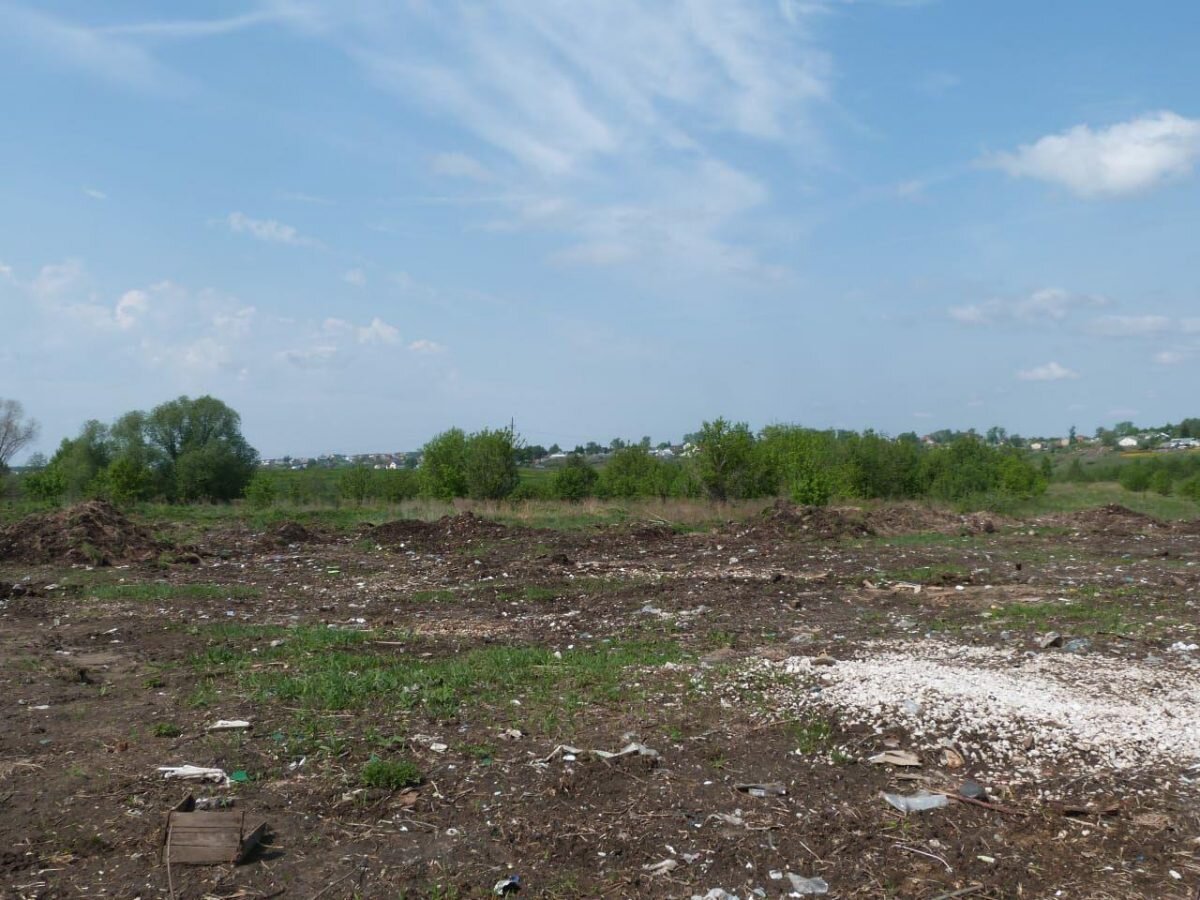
[360,222]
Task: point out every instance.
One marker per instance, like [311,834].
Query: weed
[166,730]
[391,774]
[811,735]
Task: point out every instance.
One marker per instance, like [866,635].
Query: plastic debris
[506,886]
[917,802]
[228,725]
[1053,639]
[973,790]
[896,758]
[663,867]
[715,894]
[196,773]
[631,749]
[772,789]
[807,886]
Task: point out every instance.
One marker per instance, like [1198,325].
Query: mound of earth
[1113,519]
[290,533]
[446,531]
[914,519]
[822,523]
[95,533]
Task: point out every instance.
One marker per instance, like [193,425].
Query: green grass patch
[1087,616]
[156,591]
[927,574]
[390,774]
[166,730]
[335,670]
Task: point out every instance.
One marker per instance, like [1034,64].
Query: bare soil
[741,656]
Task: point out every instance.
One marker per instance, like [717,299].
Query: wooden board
[204,838]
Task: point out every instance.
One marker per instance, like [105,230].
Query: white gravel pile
[1049,711]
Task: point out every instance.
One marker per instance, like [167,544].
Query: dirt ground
[424,701]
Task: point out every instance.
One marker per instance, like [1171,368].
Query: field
[427,696]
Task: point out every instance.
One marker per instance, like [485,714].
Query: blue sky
[362,222]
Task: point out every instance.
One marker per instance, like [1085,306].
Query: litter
[1053,639]
[917,802]
[661,868]
[807,886]
[715,894]
[506,886]
[631,749]
[228,725]
[973,790]
[196,773]
[895,758]
[208,838]
[773,789]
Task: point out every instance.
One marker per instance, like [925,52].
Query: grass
[390,774]
[1064,497]
[927,574]
[1088,616]
[331,670]
[156,591]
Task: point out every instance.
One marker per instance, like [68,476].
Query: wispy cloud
[378,332]
[1129,326]
[460,165]
[112,58]
[1045,305]
[355,277]
[95,194]
[1170,357]
[426,346]
[269,230]
[1126,158]
[1051,371]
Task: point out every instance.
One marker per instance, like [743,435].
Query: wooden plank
[203,838]
[201,820]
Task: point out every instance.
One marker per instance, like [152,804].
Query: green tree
[79,460]
[575,480]
[491,465]
[261,491]
[444,465]
[1135,477]
[198,448]
[1160,482]
[355,484]
[631,472]
[725,460]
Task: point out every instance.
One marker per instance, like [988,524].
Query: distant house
[1037,445]
[1127,443]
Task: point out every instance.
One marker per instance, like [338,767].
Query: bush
[1190,488]
[1135,477]
[355,484]
[575,480]
[261,491]
[491,464]
[444,465]
[1160,482]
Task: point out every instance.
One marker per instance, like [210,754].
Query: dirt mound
[823,523]
[447,531]
[913,519]
[1113,518]
[96,533]
[290,533]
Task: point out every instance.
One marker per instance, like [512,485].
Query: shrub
[261,491]
[490,464]
[575,480]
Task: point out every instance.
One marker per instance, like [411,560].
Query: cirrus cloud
[1051,371]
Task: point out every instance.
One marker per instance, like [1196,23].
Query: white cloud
[1045,305]
[5,271]
[95,194]
[1129,326]
[312,357]
[268,230]
[1169,357]
[1190,326]
[355,277]
[460,165]
[378,332]
[237,323]
[1051,371]
[130,307]
[1125,158]
[56,280]
[425,346]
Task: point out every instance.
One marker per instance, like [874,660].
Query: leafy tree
[444,465]
[355,484]
[16,431]
[631,472]
[1135,477]
[79,460]
[725,460]
[490,464]
[575,480]
[197,446]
